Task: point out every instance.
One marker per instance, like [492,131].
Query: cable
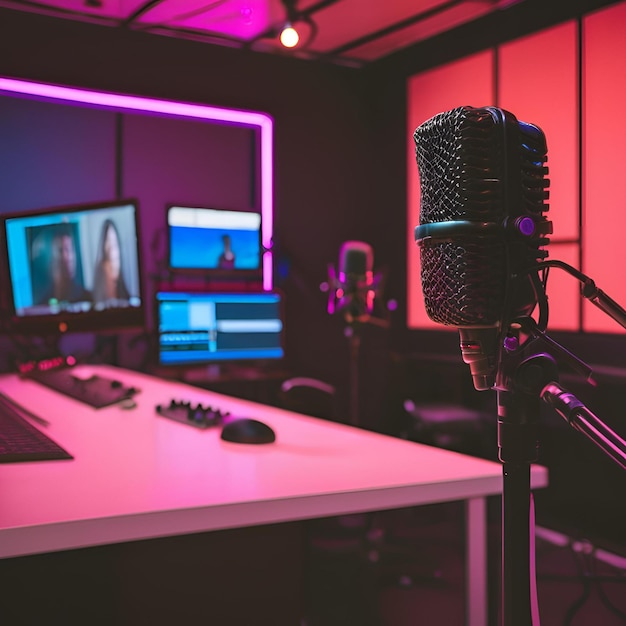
[534,602]
[586,558]
[601,591]
[584,596]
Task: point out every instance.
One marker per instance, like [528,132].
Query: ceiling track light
[297,24]
[289,34]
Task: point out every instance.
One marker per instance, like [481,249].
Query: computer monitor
[75,268]
[214,241]
[207,328]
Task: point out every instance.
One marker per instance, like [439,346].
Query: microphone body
[355,290]
[482,226]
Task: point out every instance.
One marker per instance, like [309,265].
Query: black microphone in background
[482,227]
[353,289]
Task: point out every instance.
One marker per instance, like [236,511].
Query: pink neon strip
[267,271]
[168,107]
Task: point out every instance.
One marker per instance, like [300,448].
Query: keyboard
[22,441]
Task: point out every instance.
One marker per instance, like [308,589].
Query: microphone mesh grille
[462,285]
[473,166]
[462,280]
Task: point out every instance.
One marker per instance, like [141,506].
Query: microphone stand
[353,333]
[357,315]
[528,374]
[354,337]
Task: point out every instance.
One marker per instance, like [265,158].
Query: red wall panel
[538,83]
[563,290]
[604,137]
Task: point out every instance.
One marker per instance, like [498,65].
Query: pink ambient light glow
[168,107]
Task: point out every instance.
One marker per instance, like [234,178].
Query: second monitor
[204,328]
[214,240]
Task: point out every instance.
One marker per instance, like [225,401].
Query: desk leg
[476,561]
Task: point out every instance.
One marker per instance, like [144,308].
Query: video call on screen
[79,260]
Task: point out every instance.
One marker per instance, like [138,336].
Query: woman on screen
[108,282]
[58,251]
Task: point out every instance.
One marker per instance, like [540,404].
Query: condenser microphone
[355,291]
[482,228]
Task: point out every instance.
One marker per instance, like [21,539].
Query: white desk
[137,475]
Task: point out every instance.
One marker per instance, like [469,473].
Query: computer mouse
[247,430]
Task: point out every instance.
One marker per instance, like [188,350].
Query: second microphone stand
[353,331]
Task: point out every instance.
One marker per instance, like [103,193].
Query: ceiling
[352,32]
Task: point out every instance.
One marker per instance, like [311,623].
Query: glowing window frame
[122,102]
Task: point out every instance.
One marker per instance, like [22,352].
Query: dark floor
[418,578]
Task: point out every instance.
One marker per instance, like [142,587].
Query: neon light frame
[123,102]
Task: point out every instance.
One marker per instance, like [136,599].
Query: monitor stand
[203,373]
[224,372]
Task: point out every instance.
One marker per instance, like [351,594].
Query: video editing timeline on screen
[207,327]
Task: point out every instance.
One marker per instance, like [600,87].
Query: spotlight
[298,27]
[289,36]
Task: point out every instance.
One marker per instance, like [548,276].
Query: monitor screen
[214,240]
[74,269]
[201,328]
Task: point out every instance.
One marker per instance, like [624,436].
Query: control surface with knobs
[193,414]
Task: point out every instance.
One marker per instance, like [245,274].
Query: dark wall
[324,187]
